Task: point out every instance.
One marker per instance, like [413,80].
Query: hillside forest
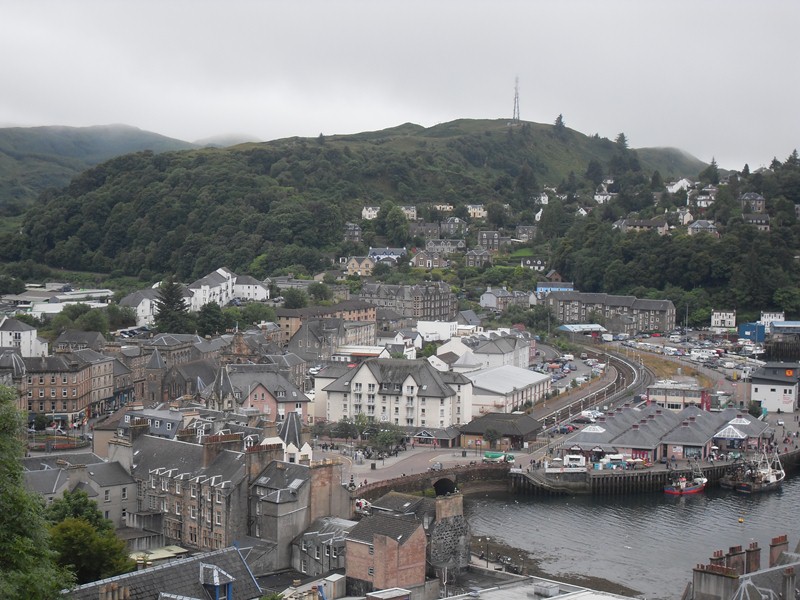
[281,207]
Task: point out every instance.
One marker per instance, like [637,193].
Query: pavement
[408,462]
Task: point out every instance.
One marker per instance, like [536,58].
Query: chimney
[735,559]
[717,559]
[259,457]
[788,584]
[777,546]
[753,558]
[684,423]
[214,444]
[635,426]
[138,428]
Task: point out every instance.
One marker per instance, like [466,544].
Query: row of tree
[44,550]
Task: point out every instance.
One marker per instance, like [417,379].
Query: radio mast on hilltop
[515,117]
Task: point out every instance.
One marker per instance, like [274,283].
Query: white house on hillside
[250,288]
[16,334]
[217,287]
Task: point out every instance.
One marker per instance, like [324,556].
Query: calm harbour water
[649,542]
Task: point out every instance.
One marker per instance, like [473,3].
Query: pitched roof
[397,528]
[396,371]
[508,424]
[181,578]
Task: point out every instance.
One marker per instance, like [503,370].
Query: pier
[617,481]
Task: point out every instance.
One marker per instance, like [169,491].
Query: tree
[396,227]
[27,561]
[491,435]
[711,173]
[559,124]
[295,298]
[211,320]
[172,313]
[594,172]
[344,429]
[94,320]
[77,505]
[622,141]
[255,312]
[91,554]
[319,291]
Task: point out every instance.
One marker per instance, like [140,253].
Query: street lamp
[487,552]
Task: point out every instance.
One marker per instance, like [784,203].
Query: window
[158,423]
[218,518]
[304,566]
[192,489]
[107,496]
[327,550]
[169,426]
[333,551]
[193,512]
[178,488]
[124,493]
[177,508]
[371,549]
[316,552]
[304,545]
[219,497]
[165,485]
[371,571]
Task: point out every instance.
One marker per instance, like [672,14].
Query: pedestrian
[365,482]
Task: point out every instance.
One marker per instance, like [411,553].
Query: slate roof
[9,324]
[156,362]
[46,482]
[396,371]
[291,428]
[185,460]
[75,336]
[468,317]
[11,361]
[56,461]
[182,578]
[109,474]
[243,377]
[248,280]
[405,504]
[135,299]
[397,528]
[281,480]
[327,527]
[507,424]
[776,372]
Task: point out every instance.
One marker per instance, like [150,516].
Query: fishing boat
[681,485]
[762,474]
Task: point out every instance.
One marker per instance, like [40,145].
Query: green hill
[262,207]
[33,159]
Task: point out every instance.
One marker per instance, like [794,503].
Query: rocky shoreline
[529,564]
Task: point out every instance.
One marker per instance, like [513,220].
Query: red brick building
[384,552]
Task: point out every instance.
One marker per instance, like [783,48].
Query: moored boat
[752,477]
[681,486]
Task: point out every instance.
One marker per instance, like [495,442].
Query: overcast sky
[715,78]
